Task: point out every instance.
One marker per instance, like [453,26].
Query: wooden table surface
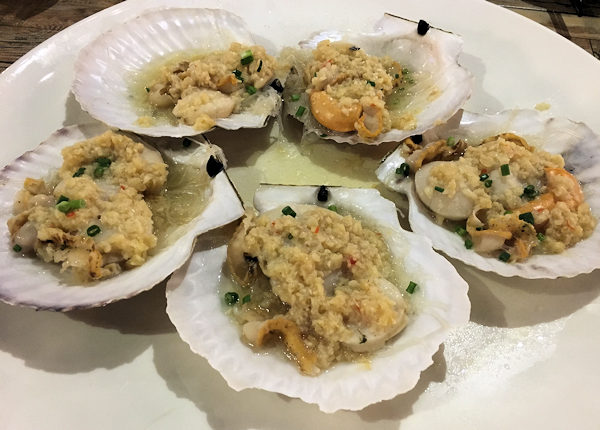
[24,24]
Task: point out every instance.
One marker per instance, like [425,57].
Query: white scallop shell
[441,302]
[104,69]
[433,58]
[579,146]
[30,282]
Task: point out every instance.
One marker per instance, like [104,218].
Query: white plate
[528,359]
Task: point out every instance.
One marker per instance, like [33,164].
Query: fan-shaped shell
[443,86]
[105,69]
[440,302]
[580,148]
[30,282]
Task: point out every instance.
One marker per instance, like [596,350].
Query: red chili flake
[483,171]
[122,187]
[317,229]
[273,223]
[70,214]
[352,261]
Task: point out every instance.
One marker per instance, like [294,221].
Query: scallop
[575,142]
[424,86]
[113,74]
[439,303]
[28,281]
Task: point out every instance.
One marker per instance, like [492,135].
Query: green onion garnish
[405,71]
[77,204]
[371,83]
[529,192]
[17,248]
[247,57]
[460,231]
[62,199]
[79,172]
[288,211]
[488,183]
[295,97]
[93,230]
[238,74]
[483,177]
[70,205]
[451,141]
[103,161]
[468,243]
[507,212]
[411,287]
[504,256]
[246,298]
[438,189]
[505,170]
[332,208]
[99,172]
[231,298]
[290,236]
[250,89]
[147,89]
[300,111]
[527,217]
[63,206]
[403,170]
[541,237]
[259,66]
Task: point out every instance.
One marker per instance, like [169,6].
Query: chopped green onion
[62,199]
[438,189]
[17,248]
[332,208]
[231,298]
[186,142]
[451,141]
[507,212]
[238,74]
[147,89]
[411,287]
[259,66]
[93,230]
[77,204]
[488,183]
[460,231]
[541,237]
[527,217]
[405,71]
[70,205]
[504,256]
[468,243]
[300,111]
[505,170]
[79,172]
[247,57]
[295,97]
[246,299]
[250,89]
[529,192]
[403,170]
[99,172]
[483,177]
[371,83]
[288,211]
[103,161]
[63,206]
[290,236]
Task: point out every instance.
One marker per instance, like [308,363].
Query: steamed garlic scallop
[178,72]
[376,87]
[325,281]
[109,217]
[514,193]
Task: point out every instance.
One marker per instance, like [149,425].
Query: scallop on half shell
[578,145]
[196,307]
[108,71]
[435,88]
[28,281]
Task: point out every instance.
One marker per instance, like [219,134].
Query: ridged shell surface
[106,68]
[440,303]
[29,281]
[580,148]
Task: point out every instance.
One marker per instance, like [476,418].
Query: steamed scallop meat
[177,72]
[376,87]
[319,287]
[504,196]
[94,215]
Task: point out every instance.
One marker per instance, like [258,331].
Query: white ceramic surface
[528,359]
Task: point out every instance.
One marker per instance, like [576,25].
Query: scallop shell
[104,69]
[432,57]
[579,146]
[196,310]
[30,282]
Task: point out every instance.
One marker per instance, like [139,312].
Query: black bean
[422,27]
[323,194]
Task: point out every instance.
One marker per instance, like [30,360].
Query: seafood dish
[112,213]
[502,192]
[329,272]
